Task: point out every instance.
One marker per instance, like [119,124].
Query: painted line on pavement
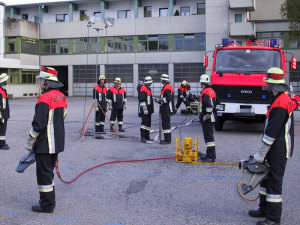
[65,219]
[12,213]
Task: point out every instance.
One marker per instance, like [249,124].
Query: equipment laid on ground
[187,154]
[253,174]
[26,161]
[237,76]
[195,108]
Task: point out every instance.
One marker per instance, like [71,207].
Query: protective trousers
[271,187]
[116,113]
[44,171]
[208,132]
[100,119]
[179,103]
[3,127]
[166,126]
[145,126]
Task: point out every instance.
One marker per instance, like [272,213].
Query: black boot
[121,129]
[148,139]
[3,145]
[112,128]
[101,129]
[39,209]
[257,213]
[267,222]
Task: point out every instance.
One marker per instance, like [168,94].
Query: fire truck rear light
[229,95]
[263,96]
[293,63]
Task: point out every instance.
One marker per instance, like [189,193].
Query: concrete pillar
[2,31]
[135,78]
[102,6]
[70,80]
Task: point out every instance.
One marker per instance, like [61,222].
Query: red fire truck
[237,77]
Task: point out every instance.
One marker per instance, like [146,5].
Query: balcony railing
[242,29]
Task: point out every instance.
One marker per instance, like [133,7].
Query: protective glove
[145,110]
[158,100]
[206,117]
[124,107]
[260,155]
[30,142]
[2,120]
[184,99]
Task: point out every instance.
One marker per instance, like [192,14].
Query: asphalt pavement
[158,192]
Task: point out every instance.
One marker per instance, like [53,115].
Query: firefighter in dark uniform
[166,108]
[117,103]
[276,147]
[99,96]
[183,95]
[47,136]
[146,109]
[207,118]
[4,111]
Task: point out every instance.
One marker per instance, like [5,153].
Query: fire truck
[237,76]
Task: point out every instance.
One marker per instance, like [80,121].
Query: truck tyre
[219,123]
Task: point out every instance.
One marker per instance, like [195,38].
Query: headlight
[220,107]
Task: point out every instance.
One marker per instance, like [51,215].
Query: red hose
[102,164]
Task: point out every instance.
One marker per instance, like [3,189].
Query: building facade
[130,39]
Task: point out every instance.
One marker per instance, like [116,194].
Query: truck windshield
[246,60]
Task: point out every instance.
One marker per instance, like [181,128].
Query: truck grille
[243,94]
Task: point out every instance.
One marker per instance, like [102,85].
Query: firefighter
[166,108]
[276,147]
[4,110]
[183,96]
[99,95]
[207,118]
[47,136]
[146,108]
[117,103]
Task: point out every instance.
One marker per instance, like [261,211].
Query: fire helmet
[101,77]
[184,82]
[204,79]
[148,80]
[275,79]
[118,80]
[3,77]
[164,77]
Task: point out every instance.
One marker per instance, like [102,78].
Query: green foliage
[290,10]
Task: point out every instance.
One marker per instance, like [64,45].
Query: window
[153,43]
[185,11]
[12,45]
[97,16]
[294,40]
[163,12]
[189,42]
[54,46]
[155,71]
[85,45]
[119,44]
[148,11]
[83,15]
[25,16]
[200,8]
[62,17]
[189,72]
[14,76]
[30,46]
[28,77]
[123,14]
[238,18]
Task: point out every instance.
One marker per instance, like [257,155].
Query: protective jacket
[279,126]
[4,106]
[117,96]
[279,134]
[48,122]
[183,91]
[99,93]
[167,99]
[208,100]
[145,99]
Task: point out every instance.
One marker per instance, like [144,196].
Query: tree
[290,10]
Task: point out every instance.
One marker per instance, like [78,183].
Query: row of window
[143,43]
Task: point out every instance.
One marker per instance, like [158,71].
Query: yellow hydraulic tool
[187,154]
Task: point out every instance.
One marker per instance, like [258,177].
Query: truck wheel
[219,123]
